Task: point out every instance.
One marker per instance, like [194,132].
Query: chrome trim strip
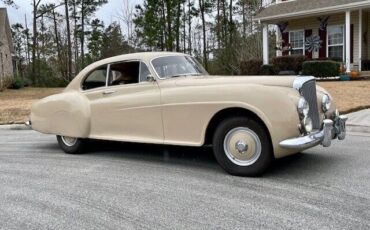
[107,75]
[299,81]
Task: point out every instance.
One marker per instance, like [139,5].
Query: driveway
[132,186]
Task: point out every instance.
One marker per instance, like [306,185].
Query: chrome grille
[308,91]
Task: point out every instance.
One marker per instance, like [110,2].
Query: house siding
[6,63]
[335,19]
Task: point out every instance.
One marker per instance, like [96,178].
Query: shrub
[336,59]
[288,63]
[17,83]
[250,67]
[321,69]
[267,70]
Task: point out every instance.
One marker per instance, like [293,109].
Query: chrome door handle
[108,92]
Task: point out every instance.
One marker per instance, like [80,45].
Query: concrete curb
[15,127]
[358,128]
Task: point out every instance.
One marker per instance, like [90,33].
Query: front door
[128,107]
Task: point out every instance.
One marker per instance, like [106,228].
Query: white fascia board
[338,8]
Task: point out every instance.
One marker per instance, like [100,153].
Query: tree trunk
[218,25]
[68,41]
[57,42]
[224,24]
[202,9]
[34,40]
[164,43]
[42,38]
[169,27]
[184,26]
[189,27]
[75,38]
[82,34]
[27,40]
[231,22]
[178,26]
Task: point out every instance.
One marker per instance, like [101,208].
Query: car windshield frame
[192,61]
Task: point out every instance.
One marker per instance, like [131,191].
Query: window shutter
[352,44]
[322,51]
[307,33]
[285,37]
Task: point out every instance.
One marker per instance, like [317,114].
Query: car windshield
[176,66]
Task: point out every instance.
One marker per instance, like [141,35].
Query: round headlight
[307,122]
[303,107]
[326,103]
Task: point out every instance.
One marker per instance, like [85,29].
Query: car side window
[124,73]
[144,72]
[96,79]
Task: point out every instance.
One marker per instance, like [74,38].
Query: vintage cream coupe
[168,98]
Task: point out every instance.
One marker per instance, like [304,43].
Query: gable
[5,30]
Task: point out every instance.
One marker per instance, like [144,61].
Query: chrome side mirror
[150,78]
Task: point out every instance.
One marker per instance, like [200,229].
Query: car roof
[145,56]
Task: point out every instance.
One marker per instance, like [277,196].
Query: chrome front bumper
[331,130]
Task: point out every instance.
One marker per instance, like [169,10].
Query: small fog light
[326,103]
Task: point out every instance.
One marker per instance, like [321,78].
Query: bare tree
[126,15]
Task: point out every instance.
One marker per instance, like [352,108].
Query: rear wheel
[71,145]
[242,147]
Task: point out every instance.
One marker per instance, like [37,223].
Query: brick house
[6,47]
[337,29]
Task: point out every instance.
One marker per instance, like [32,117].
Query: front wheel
[242,147]
[71,145]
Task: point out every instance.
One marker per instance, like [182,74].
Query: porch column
[265,42]
[279,38]
[360,40]
[348,41]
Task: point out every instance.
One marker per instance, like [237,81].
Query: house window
[296,40]
[336,42]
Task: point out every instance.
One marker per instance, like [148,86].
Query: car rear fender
[66,114]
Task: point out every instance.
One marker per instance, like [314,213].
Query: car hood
[282,81]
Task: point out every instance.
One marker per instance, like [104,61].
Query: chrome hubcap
[69,141]
[242,146]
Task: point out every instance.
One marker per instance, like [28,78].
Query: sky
[108,13]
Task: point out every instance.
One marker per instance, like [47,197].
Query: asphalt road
[133,186]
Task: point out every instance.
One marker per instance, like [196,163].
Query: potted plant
[343,75]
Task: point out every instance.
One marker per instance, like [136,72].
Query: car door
[126,109]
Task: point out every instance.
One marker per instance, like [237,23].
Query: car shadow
[301,164]
[200,157]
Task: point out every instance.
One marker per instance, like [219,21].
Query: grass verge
[15,105]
